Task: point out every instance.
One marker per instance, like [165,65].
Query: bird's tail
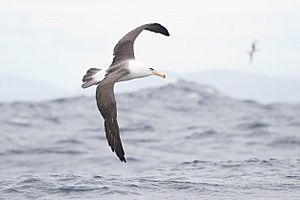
[89,78]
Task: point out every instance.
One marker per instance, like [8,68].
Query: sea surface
[182,141]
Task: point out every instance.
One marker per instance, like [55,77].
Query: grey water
[182,141]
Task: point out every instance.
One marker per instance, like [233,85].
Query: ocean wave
[36,151]
[182,141]
[286,142]
[253,125]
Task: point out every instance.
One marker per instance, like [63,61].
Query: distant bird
[123,67]
[252,51]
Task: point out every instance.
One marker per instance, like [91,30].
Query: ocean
[182,141]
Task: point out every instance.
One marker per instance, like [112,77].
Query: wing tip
[114,140]
[167,33]
[120,156]
[123,159]
[157,27]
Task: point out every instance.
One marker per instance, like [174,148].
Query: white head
[138,70]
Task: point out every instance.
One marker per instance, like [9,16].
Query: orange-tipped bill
[157,73]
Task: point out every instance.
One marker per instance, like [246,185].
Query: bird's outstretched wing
[124,48]
[107,106]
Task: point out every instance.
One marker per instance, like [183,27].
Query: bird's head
[139,70]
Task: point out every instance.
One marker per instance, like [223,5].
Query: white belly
[129,77]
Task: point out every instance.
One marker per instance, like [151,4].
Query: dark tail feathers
[88,79]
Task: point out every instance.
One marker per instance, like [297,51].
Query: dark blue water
[182,141]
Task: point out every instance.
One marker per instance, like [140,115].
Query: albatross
[252,51]
[123,67]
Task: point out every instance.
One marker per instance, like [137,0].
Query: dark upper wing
[107,106]
[124,48]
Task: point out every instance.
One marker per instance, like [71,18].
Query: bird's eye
[151,69]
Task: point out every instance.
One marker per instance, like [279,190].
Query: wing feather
[124,48]
[107,106]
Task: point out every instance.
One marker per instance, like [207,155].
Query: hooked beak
[157,73]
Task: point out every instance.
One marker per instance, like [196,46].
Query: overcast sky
[58,40]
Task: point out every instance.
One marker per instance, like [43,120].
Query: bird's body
[135,68]
[124,67]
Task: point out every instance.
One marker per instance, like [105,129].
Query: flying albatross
[252,51]
[123,67]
